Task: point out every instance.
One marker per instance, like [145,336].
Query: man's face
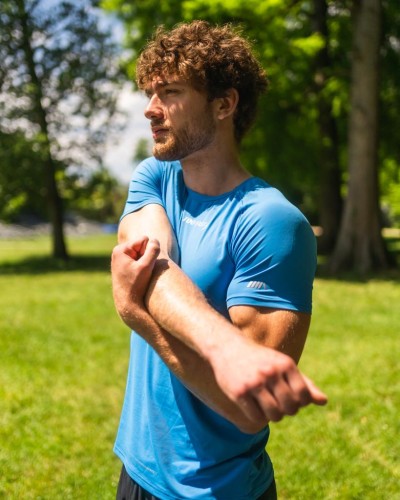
[181,118]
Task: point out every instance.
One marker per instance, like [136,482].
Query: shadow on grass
[43,265]
[392,273]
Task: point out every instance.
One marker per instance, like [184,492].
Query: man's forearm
[181,309]
[263,383]
[193,371]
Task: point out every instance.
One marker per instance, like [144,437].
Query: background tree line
[326,131]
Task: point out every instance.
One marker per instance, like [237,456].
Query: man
[218,286]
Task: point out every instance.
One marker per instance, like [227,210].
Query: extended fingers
[270,401]
[317,396]
[269,404]
[293,391]
[285,393]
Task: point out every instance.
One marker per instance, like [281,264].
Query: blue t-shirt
[249,246]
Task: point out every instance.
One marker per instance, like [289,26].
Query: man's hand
[132,264]
[264,383]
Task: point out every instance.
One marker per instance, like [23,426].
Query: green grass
[63,359]
[351,448]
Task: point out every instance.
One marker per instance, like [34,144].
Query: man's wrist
[224,338]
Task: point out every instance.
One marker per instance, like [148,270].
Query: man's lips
[157,131]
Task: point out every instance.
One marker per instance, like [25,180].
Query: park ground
[64,354]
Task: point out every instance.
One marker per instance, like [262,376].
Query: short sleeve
[145,186]
[274,250]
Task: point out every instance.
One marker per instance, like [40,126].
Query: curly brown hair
[213,59]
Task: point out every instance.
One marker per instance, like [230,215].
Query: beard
[194,135]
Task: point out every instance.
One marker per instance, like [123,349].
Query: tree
[360,244]
[98,198]
[328,147]
[57,86]
[142,150]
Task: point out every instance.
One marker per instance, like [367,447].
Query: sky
[120,151]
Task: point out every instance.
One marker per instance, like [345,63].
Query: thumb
[151,253]
[317,396]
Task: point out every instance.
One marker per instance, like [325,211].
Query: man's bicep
[283,330]
[152,221]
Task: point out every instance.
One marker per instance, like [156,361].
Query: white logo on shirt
[257,284]
[198,223]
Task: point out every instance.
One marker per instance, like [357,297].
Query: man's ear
[225,106]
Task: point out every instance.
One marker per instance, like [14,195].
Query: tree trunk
[54,201]
[330,200]
[360,245]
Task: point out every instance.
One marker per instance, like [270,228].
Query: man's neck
[213,171]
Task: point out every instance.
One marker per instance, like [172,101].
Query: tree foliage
[20,190]
[57,94]
[98,197]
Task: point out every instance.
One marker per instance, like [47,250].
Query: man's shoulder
[267,215]
[264,200]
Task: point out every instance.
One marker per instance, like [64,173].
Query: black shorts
[128,489]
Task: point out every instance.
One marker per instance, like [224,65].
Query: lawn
[64,353]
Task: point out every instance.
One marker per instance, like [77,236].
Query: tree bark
[360,245]
[54,201]
[330,200]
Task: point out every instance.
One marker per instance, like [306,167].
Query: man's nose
[154,108]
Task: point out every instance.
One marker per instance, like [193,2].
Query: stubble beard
[187,140]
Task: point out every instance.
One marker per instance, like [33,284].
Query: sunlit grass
[64,354]
[350,449]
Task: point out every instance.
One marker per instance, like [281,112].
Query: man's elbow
[122,236]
